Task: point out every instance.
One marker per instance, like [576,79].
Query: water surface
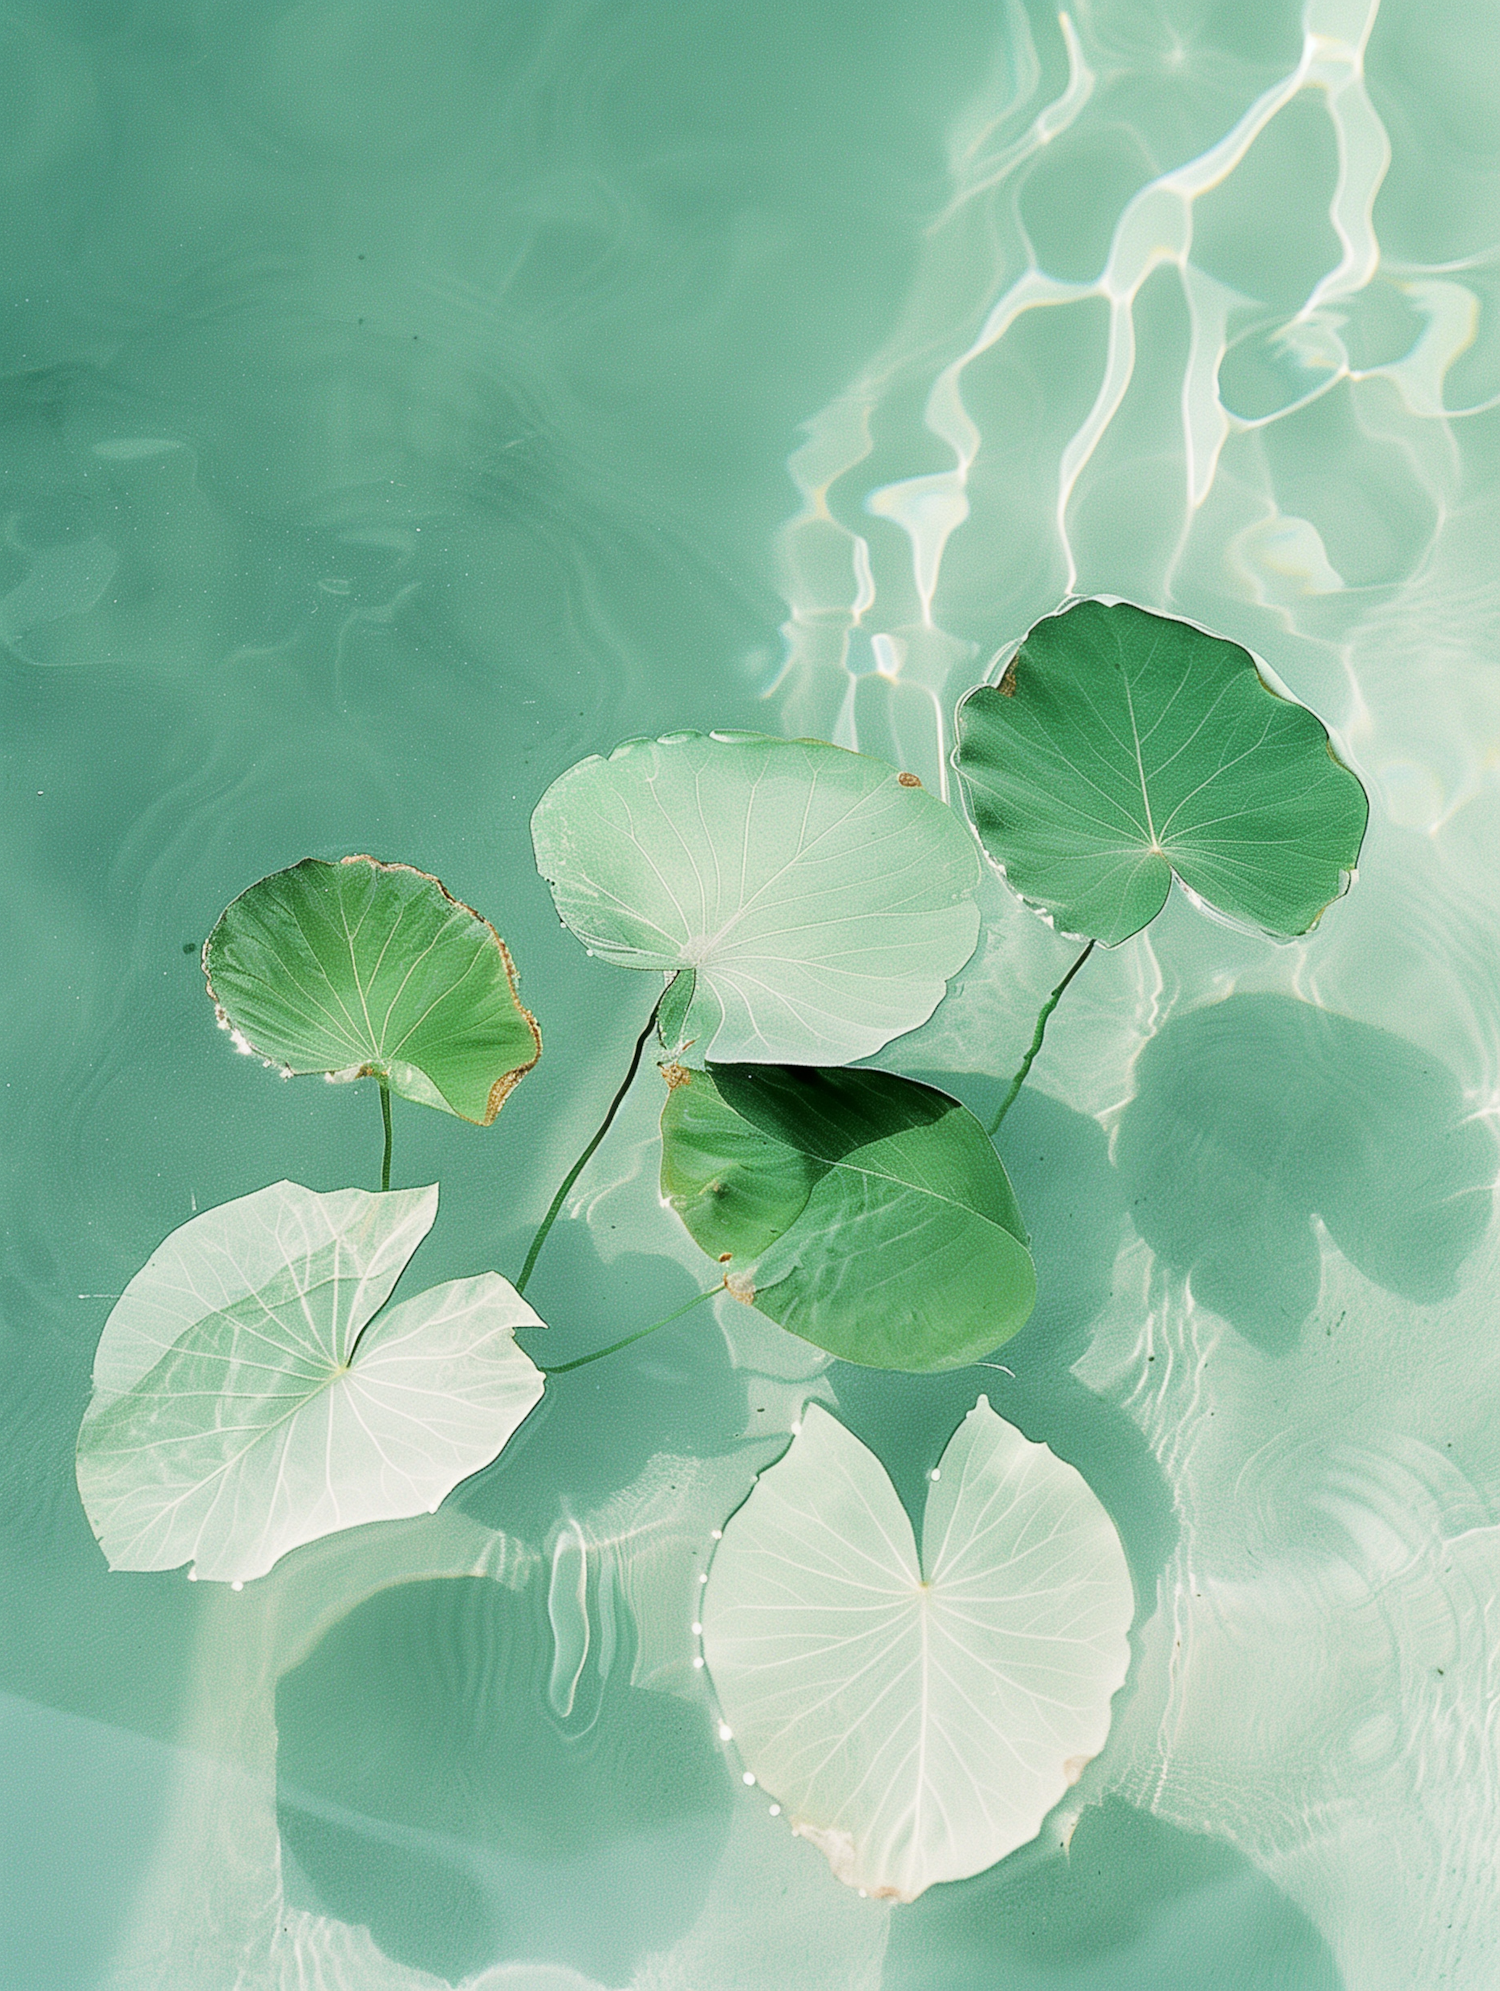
[398,402]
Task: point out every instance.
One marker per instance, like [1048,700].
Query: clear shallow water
[398,403]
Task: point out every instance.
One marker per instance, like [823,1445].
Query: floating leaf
[1122,747]
[917,1719]
[250,1396]
[867,1213]
[369,970]
[820,899]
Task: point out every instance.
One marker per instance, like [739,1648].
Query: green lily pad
[864,1212]
[249,1394]
[820,899]
[1123,747]
[917,1718]
[368,970]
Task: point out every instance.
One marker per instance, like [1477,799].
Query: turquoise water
[401,401]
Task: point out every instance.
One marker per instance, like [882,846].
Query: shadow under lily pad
[1134,1905]
[1259,1112]
[427,1790]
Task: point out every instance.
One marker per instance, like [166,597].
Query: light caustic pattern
[1206,420]
[862,607]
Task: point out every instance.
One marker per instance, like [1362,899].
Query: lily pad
[820,899]
[249,1394]
[917,1718]
[368,970]
[864,1212]
[1123,747]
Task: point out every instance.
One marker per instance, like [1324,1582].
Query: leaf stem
[1036,1039]
[640,1334]
[385,1116]
[583,1160]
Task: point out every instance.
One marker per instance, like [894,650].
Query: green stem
[385,1115]
[583,1160]
[639,1335]
[1036,1039]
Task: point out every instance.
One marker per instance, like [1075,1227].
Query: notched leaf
[850,1667]
[769,877]
[1139,748]
[253,1391]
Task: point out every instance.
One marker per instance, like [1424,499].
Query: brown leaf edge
[501,1090]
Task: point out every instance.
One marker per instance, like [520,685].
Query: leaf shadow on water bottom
[427,1791]
[1135,1904]
[1254,1115]
[596,1428]
[1058,1163]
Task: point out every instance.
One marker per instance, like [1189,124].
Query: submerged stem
[640,1334]
[1036,1039]
[582,1162]
[385,1116]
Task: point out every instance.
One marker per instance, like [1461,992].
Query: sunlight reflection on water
[395,410]
[1316,1679]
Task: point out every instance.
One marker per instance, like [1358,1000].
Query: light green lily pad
[864,1212]
[249,1394]
[368,970]
[1123,747]
[917,1718]
[820,899]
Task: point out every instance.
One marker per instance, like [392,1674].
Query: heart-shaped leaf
[1121,747]
[820,899]
[247,1398]
[917,1719]
[867,1213]
[369,970]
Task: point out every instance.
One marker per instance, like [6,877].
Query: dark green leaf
[1122,747]
[868,1214]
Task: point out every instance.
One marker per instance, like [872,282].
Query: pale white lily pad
[249,1394]
[918,1718]
[817,899]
